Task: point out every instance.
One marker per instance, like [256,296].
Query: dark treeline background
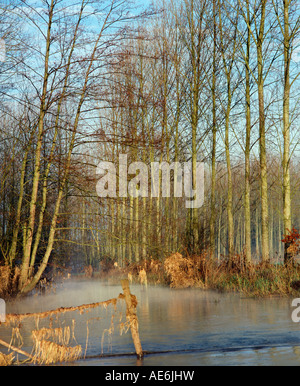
[210,81]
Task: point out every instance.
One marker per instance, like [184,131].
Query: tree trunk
[262,140]
[247,206]
[287,214]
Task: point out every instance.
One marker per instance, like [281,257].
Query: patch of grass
[257,280]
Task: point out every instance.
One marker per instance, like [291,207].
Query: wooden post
[131,303]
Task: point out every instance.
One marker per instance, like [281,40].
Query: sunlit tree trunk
[214,139]
[36,174]
[228,69]
[287,216]
[248,145]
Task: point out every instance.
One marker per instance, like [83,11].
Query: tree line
[181,81]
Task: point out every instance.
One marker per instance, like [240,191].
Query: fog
[177,327]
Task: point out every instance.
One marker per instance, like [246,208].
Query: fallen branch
[19,317]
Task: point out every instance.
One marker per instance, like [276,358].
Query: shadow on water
[177,327]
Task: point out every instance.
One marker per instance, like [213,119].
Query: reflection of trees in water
[212,310]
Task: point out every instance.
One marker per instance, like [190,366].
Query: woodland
[175,81]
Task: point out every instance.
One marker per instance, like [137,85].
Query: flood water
[179,327]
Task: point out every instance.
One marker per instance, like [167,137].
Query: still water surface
[183,327]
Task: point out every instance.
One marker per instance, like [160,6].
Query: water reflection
[197,327]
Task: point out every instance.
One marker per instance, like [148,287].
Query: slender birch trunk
[262,138]
[228,68]
[287,213]
[212,224]
[36,173]
[247,206]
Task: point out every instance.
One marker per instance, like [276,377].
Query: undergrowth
[176,271]
[234,275]
[263,279]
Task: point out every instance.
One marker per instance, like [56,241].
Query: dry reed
[9,280]
[5,273]
[46,353]
[59,335]
[6,360]
[52,345]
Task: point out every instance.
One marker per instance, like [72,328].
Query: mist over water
[180,327]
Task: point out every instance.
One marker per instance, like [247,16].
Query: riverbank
[176,271]
[254,280]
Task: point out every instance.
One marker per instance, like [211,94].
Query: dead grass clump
[6,360]
[58,350]
[181,272]
[9,279]
[5,273]
[47,353]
